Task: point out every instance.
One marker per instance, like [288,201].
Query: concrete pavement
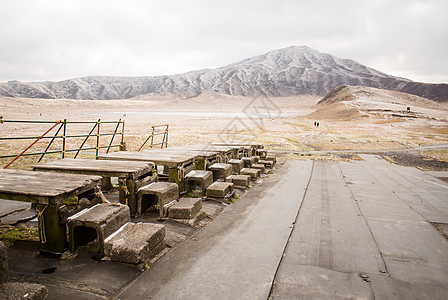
[363,230]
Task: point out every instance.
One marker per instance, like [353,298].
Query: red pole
[57,122]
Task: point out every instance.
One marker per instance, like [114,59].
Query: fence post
[97,139]
[63,138]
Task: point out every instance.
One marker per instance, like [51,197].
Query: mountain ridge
[289,71]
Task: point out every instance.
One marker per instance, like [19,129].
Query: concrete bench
[159,194]
[237,165]
[241,181]
[17,290]
[262,153]
[187,211]
[220,191]
[96,223]
[261,167]
[254,173]
[248,161]
[267,163]
[135,243]
[221,171]
[272,158]
[197,181]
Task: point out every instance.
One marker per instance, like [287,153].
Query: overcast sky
[55,40]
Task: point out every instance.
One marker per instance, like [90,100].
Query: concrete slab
[367,219]
[253,173]
[186,208]
[9,206]
[96,223]
[221,171]
[248,161]
[156,193]
[260,167]
[220,191]
[197,181]
[242,181]
[269,164]
[237,165]
[135,243]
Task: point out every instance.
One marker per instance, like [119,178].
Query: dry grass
[440,155]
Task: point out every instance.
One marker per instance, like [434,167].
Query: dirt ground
[372,121]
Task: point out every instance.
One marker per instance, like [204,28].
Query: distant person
[317,124]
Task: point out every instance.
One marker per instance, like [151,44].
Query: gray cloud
[55,40]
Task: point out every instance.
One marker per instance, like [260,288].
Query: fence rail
[157,130]
[63,125]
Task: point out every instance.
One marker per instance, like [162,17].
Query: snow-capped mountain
[284,72]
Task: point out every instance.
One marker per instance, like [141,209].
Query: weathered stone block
[221,171]
[186,208]
[272,158]
[156,193]
[267,163]
[135,243]
[237,165]
[256,158]
[96,223]
[261,167]
[219,190]
[197,181]
[248,161]
[262,153]
[239,180]
[254,173]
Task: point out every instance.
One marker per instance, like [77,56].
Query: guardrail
[61,134]
[157,130]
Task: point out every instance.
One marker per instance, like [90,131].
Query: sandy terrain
[371,120]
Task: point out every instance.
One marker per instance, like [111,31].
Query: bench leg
[127,194]
[52,234]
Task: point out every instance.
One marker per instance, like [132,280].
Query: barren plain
[354,119]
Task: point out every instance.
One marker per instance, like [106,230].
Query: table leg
[127,194]
[52,235]
[174,177]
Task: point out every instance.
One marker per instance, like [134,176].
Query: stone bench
[187,211]
[221,171]
[267,163]
[241,181]
[262,153]
[259,166]
[96,223]
[197,181]
[135,243]
[237,165]
[160,194]
[248,161]
[220,191]
[272,158]
[17,290]
[254,173]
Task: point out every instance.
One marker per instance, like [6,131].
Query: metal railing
[157,130]
[63,138]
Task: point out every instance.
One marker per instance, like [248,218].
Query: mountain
[351,102]
[284,72]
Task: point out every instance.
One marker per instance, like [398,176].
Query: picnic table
[132,175]
[176,166]
[48,191]
[202,158]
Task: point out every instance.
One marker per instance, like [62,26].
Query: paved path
[316,230]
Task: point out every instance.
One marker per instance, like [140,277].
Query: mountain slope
[284,72]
